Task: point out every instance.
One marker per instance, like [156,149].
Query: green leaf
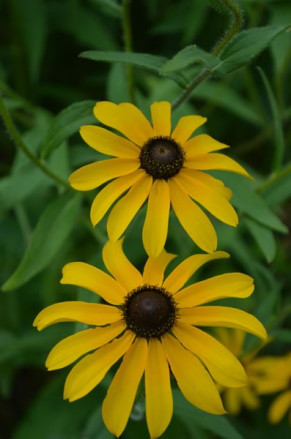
[152,62]
[246,45]
[283,335]
[264,238]
[190,415]
[278,129]
[280,189]
[250,202]
[52,230]
[187,57]
[66,123]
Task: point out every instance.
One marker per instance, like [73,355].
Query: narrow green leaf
[250,202]
[279,190]
[187,57]
[190,415]
[278,129]
[152,62]
[52,230]
[264,238]
[246,45]
[66,123]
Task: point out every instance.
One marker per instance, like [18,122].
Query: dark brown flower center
[149,311]
[161,157]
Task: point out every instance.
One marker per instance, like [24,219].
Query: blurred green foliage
[49,91]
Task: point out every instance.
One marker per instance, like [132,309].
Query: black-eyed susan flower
[152,323]
[235,398]
[162,165]
[273,375]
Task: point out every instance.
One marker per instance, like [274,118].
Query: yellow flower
[151,323]
[235,399]
[166,167]
[273,374]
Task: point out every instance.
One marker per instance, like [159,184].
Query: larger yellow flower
[159,165]
[151,323]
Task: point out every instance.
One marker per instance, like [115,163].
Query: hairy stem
[128,46]
[8,122]
[235,25]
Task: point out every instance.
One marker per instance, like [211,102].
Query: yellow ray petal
[250,399]
[223,316]
[201,145]
[155,229]
[108,143]
[232,400]
[279,407]
[159,400]
[211,182]
[125,118]
[161,118]
[106,197]
[119,266]
[91,176]
[186,126]
[88,372]
[120,397]
[182,273]
[73,347]
[193,380]
[192,218]
[86,276]
[222,364]
[125,209]
[208,197]
[89,313]
[218,287]
[216,161]
[153,273]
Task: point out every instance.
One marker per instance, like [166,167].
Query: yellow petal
[86,276]
[250,399]
[155,229]
[161,118]
[223,316]
[201,145]
[159,400]
[124,210]
[279,407]
[108,143]
[232,400]
[106,197]
[216,161]
[213,183]
[125,118]
[186,126]
[120,397]
[193,380]
[119,266]
[218,287]
[192,218]
[89,313]
[233,339]
[88,373]
[208,197]
[182,273]
[222,364]
[91,176]
[153,273]
[73,347]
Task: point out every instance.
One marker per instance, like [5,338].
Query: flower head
[273,374]
[162,165]
[152,323]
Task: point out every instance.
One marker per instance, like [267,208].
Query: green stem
[128,45]
[20,144]
[274,178]
[235,25]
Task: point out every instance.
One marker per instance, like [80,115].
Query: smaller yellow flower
[273,374]
[235,398]
[155,163]
[152,323]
